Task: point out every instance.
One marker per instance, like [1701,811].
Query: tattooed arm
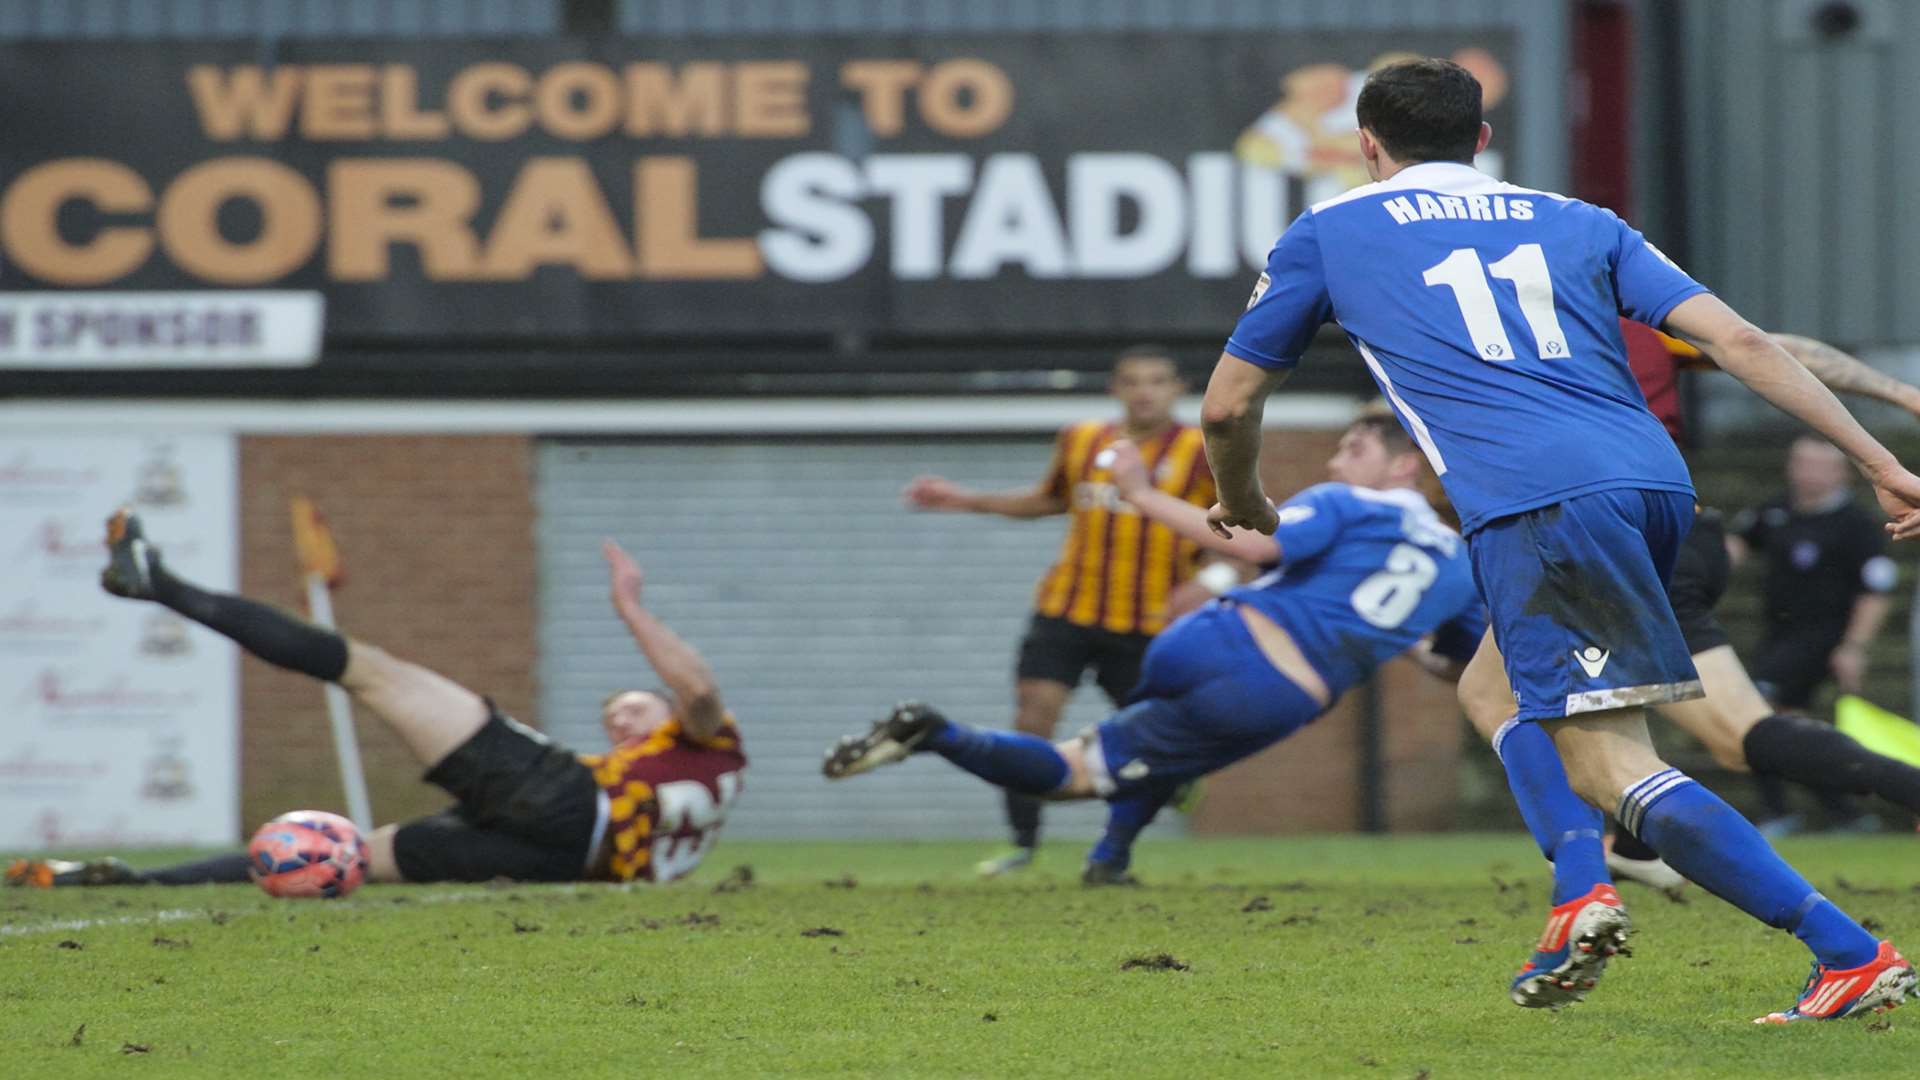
[1846,374]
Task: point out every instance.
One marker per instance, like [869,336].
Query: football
[308,853]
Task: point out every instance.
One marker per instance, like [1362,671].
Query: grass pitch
[1383,958]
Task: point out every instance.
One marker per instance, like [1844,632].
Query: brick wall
[436,534]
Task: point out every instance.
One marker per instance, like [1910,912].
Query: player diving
[646,810]
[1362,570]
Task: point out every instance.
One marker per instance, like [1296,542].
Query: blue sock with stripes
[1126,816]
[1563,824]
[1709,842]
[1013,760]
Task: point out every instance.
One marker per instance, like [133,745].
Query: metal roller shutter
[818,599]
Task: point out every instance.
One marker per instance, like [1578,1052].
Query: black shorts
[1059,651]
[1699,580]
[526,810]
[1792,663]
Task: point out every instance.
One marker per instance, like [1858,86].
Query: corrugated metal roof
[169,19]
[1797,147]
[936,16]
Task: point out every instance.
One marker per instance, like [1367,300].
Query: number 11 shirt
[1488,314]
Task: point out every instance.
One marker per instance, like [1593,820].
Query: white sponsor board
[119,721]
[214,328]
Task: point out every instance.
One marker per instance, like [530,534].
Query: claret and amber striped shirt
[1116,568]
[665,798]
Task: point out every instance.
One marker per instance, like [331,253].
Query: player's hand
[1849,666]
[1899,493]
[1123,463]
[1262,518]
[934,493]
[624,579]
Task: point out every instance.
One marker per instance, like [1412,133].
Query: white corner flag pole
[346,744]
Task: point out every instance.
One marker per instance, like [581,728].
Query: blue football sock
[1014,760]
[1565,826]
[1708,841]
[1126,816]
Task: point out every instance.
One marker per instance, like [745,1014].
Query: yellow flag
[1878,730]
[313,543]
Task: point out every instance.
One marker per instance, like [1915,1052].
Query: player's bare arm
[939,493]
[1230,416]
[1750,355]
[1130,478]
[1844,373]
[677,663]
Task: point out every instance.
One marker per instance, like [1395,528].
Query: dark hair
[1386,429]
[1423,110]
[1147,352]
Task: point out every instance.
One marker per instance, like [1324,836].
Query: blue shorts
[1577,592]
[1207,698]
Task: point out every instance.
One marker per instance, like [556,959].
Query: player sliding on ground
[1366,570]
[1487,314]
[525,809]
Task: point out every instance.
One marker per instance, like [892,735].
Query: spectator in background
[1825,599]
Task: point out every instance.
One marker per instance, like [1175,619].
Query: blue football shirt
[1488,315]
[1364,575]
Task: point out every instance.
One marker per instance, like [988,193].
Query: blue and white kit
[1488,315]
[1364,575]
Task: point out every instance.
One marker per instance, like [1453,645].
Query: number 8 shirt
[1487,313]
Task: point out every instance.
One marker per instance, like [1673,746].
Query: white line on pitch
[181,914]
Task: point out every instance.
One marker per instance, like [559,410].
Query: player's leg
[431,713]
[1609,757]
[1054,654]
[1742,731]
[1116,670]
[1700,574]
[225,869]
[1787,668]
[1038,705]
[526,809]
[1732,705]
[135,571]
[1567,829]
[1013,760]
[1117,663]
[1586,923]
[449,847]
[1207,696]
[1127,816]
[1577,591]
[228,869]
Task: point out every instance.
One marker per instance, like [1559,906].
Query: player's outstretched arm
[939,493]
[677,663]
[1130,478]
[1748,354]
[1846,374]
[1230,417]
